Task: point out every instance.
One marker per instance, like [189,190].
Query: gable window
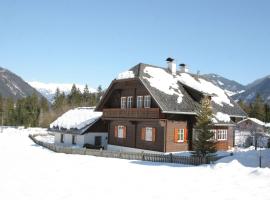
[139,101]
[73,139]
[120,131]
[62,138]
[129,102]
[147,101]
[123,102]
[179,135]
[221,134]
[148,134]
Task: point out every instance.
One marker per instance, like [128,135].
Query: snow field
[31,172]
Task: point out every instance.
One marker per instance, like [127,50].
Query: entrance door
[97,140]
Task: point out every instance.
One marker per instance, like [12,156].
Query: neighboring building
[155,108]
[251,130]
[80,126]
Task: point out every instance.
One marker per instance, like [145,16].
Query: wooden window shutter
[125,132]
[186,135]
[153,134]
[175,135]
[116,131]
[143,134]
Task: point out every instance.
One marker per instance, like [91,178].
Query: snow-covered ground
[28,171]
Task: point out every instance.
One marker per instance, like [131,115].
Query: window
[147,101]
[214,131]
[62,138]
[179,135]
[139,101]
[129,102]
[73,139]
[120,131]
[123,102]
[222,134]
[148,134]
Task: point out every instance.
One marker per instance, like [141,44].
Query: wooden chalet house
[154,108]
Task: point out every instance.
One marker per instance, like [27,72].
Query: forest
[32,111]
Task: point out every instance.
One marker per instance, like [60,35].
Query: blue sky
[92,41]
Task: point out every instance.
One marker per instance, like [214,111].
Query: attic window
[123,102]
[147,101]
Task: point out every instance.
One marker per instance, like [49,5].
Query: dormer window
[129,102]
[147,101]
[123,102]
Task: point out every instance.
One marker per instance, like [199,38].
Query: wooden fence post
[171,157]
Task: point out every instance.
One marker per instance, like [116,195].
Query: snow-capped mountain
[48,89]
[260,86]
[231,87]
[14,86]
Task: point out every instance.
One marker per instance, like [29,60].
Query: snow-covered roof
[220,117]
[76,119]
[257,121]
[126,75]
[267,125]
[180,93]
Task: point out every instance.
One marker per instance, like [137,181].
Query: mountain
[48,89]
[260,86]
[230,86]
[14,86]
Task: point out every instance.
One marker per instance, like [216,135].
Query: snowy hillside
[13,86]
[48,89]
[30,172]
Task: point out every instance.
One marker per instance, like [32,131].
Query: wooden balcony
[144,113]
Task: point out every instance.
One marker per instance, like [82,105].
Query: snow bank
[125,75]
[30,172]
[76,118]
[163,81]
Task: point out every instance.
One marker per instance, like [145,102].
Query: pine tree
[1,110]
[204,146]
[99,94]
[257,109]
[86,96]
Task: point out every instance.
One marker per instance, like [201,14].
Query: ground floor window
[219,134]
[148,134]
[73,139]
[62,138]
[180,135]
[222,134]
[120,131]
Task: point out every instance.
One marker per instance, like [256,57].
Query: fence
[165,158]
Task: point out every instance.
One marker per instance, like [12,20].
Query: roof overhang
[179,112]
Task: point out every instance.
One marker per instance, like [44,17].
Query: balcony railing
[146,113]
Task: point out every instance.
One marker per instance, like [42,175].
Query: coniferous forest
[33,111]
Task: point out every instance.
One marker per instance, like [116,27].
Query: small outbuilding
[252,131]
[80,127]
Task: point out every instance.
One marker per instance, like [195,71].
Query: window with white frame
[148,134]
[222,134]
[129,102]
[123,102]
[147,101]
[139,101]
[214,131]
[120,131]
[180,135]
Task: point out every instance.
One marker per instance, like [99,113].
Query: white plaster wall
[89,138]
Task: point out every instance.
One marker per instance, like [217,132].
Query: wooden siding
[145,113]
[133,135]
[171,145]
